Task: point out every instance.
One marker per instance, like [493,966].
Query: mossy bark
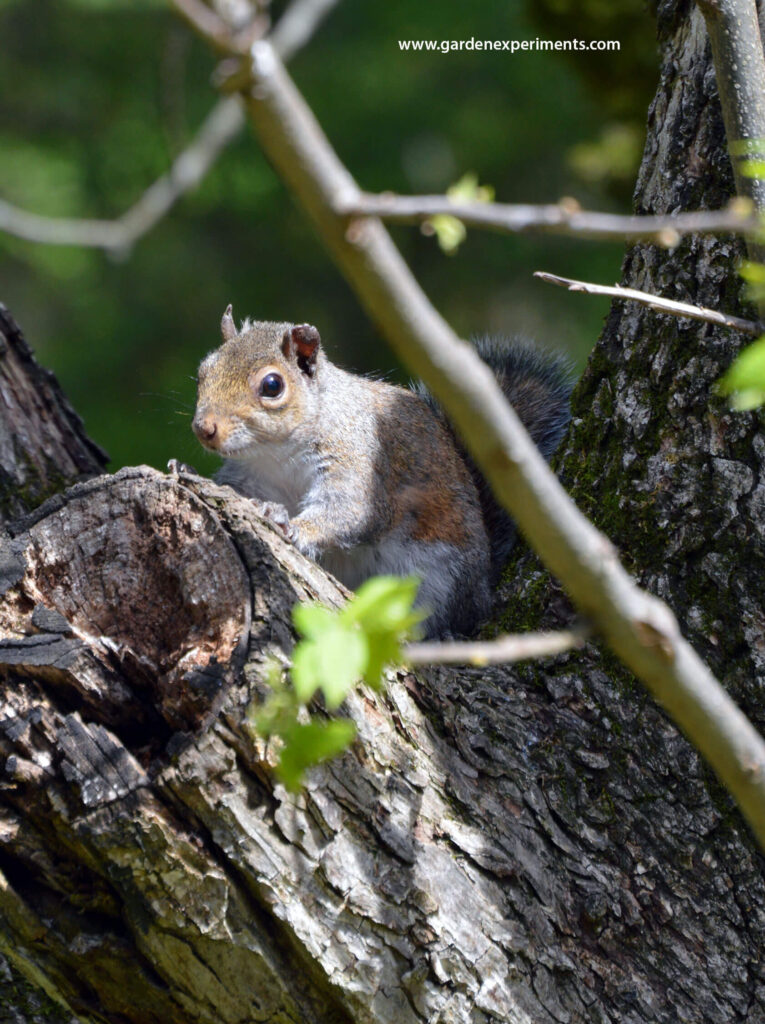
[655,456]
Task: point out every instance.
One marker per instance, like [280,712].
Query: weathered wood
[485,852]
[128,623]
[43,446]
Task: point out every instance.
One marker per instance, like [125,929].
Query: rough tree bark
[42,444]
[535,845]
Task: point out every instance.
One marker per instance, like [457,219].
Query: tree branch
[734,33]
[220,126]
[503,650]
[638,627]
[563,218]
[656,302]
[207,23]
[298,24]
[218,130]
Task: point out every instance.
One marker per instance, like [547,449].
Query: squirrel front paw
[277,515]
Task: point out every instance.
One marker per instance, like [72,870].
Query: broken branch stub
[132,599]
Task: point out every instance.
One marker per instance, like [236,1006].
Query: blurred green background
[98,96]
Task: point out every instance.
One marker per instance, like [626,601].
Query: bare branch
[220,126]
[218,130]
[638,627]
[655,302]
[503,650]
[734,33]
[207,23]
[298,24]
[564,218]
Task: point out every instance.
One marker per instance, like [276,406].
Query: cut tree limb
[502,650]
[421,876]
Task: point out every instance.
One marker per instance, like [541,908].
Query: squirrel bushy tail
[538,385]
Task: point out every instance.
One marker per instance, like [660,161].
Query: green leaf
[385,603]
[467,190]
[449,231]
[754,273]
[383,649]
[342,658]
[309,744]
[306,670]
[312,619]
[748,398]
[745,379]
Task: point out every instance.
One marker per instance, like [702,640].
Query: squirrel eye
[272,385]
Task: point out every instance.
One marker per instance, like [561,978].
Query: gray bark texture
[42,444]
[537,845]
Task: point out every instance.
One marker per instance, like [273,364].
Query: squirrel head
[260,386]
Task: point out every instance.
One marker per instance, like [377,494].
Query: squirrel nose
[206,429]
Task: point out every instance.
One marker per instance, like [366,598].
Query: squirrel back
[538,384]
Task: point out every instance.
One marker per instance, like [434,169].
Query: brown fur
[370,476]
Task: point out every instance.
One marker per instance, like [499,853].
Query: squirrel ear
[227,325]
[302,344]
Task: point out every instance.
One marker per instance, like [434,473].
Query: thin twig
[639,627]
[503,650]
[221,125]
[655,302]
[218,129]
[564,218]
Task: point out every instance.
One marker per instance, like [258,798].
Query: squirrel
[364,476]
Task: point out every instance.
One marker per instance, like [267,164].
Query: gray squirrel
[366,477]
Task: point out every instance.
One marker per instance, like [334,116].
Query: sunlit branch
[564,218]
[655,302]
[503,650]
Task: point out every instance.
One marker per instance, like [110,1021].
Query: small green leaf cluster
[337,651]
[745,380]
[450,231]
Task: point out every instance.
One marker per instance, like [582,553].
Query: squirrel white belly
[363,476]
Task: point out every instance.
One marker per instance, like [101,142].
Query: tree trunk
[531,845]
[43,446]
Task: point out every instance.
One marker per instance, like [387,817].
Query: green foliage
[450,231]
[338,650]
[614,155]
[745,380]
[754,275]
